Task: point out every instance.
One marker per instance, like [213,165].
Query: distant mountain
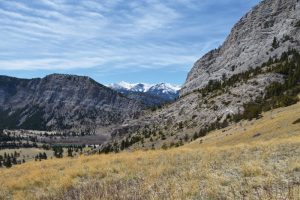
[62,102]
[133,87]
[149,94]
[164,90]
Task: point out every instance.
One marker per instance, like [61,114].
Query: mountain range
[62,102]
[232,131]
[149,94]
[256,69]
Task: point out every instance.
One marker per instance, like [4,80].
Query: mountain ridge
[149,94]
[143,87]
[61,101]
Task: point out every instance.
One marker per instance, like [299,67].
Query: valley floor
[251,160]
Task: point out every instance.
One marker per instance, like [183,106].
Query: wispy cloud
[109,35]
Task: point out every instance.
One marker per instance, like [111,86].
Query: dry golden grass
[277,124]
[236,166]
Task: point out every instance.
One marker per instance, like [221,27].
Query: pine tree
[14,160]
[186,137]
[70,152]
[195,136]
[58,152]
[152,147]
[275,43]
[15,154]
[7,163]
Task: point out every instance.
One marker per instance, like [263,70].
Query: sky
[148,41]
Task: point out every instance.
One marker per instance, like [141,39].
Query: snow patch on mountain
[145,87]
[165,91]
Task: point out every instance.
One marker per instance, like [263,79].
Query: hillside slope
[250,160]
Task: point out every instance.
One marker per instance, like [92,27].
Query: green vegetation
[12,141]
[277,94]
[214,86]
[35,120]
[10,159]
[10,120]
[297,24]
[58,151]
[41,156]
[204,131]
[275,43]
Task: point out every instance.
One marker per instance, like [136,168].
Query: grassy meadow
[257,159]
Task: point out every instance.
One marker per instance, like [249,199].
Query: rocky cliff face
[268,30]
[62,102]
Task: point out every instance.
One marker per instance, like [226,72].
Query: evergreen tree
[58,152]
[14,160]
[44,156]
[275,43]
[70,152]
[186,137]
[8,163]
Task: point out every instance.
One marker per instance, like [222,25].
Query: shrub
[252,110]
[297,121]
[251,170]
[164,146]
[297,24]
[275,43]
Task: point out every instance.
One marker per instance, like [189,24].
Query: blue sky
[147,41]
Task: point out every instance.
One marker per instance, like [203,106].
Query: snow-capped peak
[164,91]
[121,85]
[134,87]
[126,85]
[144,87]
[166,87]
[141,87]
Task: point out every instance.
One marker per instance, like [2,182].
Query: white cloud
[111,34]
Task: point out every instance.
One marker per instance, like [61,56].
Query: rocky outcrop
[62,102]
[268,30]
